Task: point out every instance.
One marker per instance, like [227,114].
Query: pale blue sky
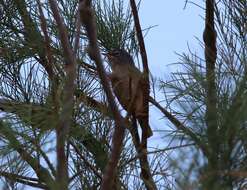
[177,27]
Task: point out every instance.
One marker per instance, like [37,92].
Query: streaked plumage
[127,85]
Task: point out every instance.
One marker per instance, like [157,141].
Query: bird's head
[119,57]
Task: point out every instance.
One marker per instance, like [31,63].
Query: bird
[127,84]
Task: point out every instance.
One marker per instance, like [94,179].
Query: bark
[88,21]
[209,37]
[65,117]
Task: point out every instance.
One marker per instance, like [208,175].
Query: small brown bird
[127,85]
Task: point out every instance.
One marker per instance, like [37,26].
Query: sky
[175,29]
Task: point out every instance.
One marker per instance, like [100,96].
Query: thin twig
[32,35]
[160,151]
[42,173]
[23,180]
[47,41]
[179,125]
[146,174]
[86,163]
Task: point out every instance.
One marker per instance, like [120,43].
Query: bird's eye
[116,53]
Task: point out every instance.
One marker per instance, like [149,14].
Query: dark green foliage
[115,25]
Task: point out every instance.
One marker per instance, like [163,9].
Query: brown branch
[209,37]
[46,158]
[53,78]
[88,20]
[43,154]
[146,88]
[142,149]
[90,68]
[47,39]
[69,87]
[2,173]
[140,37]
[91,102]
[77,33]
[146,174]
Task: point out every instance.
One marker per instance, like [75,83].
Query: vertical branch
[209,37]
[139,36]
[62,129]
[53,78]
[77,33]
[146,175]
[46,38]
[146,88]
[142,148]
[88,20]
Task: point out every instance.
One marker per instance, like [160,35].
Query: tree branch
[146,85]
[142,149]
[209,37]
[180,126]
[88,20]
[47,40]
[86,162]
[69,88]
[146,174]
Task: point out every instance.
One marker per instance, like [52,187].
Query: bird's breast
[121,88]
